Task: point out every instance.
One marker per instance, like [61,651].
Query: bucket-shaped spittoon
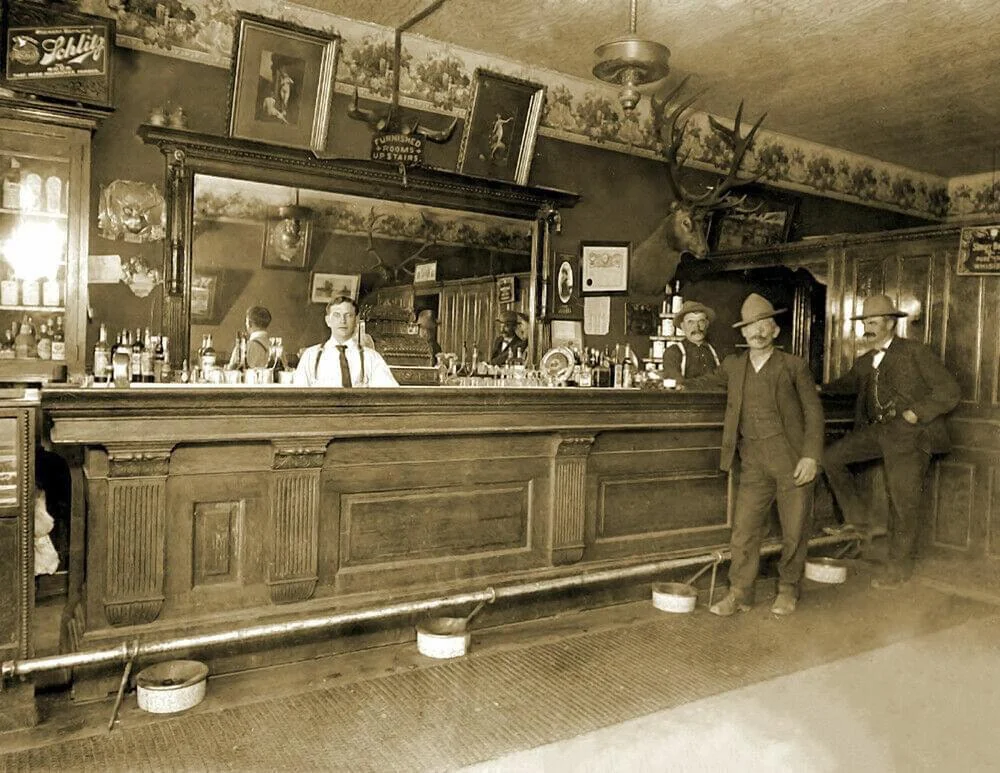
[827,570]
[674,596]
[443,637]
[175,685]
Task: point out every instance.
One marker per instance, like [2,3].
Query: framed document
[604,266]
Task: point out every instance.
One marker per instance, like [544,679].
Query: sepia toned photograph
[649,424]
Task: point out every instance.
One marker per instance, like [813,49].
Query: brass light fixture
[630,62]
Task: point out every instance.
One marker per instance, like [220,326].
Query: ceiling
[914,82]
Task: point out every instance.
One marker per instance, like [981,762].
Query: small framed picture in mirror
[282,83]
[325,287]
[286,243]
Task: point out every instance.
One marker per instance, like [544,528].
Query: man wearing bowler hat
[508,345]
[903,392]
[774,420]
[694,356]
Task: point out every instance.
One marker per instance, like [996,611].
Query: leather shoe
[729,605]
[784,603]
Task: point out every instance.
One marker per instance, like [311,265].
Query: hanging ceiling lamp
[630,62]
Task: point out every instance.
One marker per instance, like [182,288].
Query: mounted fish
[684,229]
[396,141]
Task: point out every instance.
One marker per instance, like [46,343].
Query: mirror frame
[187,154]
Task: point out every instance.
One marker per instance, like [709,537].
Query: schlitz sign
[979,250]
[58,54]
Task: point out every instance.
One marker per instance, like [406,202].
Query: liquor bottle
[628,368]
[24,343]
[279,358]
[241,353]
[157,359]
[137,350]
[102,356]
[44,343]
[58,340]
[208,356]
[185,375]
[7,346]
[163,352]
[146,358]
[474,367]
[121,360]
[667,307]
[463,368]
[677,300]
[11,196]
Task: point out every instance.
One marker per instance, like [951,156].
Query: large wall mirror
[251,224]
[291,249]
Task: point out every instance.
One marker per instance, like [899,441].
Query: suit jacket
[913,377]
[798,404]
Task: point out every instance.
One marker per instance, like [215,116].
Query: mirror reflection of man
[257,321]
[694,356]
[427,329]
[341,361]
[508,345]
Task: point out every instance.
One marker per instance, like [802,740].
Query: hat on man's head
[508,316]
[693,307]
[755,308]
[879,306]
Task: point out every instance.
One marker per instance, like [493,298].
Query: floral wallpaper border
[438,77]
[228,200]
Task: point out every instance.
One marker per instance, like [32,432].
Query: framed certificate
[604,266]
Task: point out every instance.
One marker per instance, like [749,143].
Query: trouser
[895,442]
[766,469]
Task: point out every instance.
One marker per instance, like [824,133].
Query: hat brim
[758,318]
[897,314]
[700,309]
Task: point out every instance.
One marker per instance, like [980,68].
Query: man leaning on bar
[342,361]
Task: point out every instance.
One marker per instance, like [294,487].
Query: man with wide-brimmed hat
[508,345]
[694,356]
[774,421]
[903,393]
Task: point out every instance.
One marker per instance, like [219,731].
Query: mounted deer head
[684,229]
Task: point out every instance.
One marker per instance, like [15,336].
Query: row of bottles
[24,341]
[28,191]
[138,358]
[672,302]
[595,368]
[206,368]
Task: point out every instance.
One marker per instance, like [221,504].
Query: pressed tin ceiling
[913,82]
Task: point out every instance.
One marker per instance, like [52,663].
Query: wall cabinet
[44,215]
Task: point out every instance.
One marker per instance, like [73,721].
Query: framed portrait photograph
[286,243]
[565,301]
[604,266]
[203,290]
[498,141]
[282,83]
[325,287]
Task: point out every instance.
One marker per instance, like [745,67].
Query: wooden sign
[425,272]
[505,289]
[979,250]
[59,54]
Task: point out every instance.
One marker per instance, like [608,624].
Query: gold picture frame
[282,86]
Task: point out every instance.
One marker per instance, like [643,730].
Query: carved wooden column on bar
[177,299]
[293,567]
[569,498]
[136,526]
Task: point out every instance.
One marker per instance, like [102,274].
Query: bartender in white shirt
[341,362]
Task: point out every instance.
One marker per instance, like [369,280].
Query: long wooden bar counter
[206,507]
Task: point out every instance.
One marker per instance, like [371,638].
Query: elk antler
[674,128]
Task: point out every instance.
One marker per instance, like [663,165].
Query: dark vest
[759,417]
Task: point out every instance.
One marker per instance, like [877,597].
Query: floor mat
[491,703]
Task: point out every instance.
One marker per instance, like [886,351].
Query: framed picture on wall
[565,301]
[761,221]
[282,83]
[604,266]
[325,287]
[286,243]
[500,130]
[203,290]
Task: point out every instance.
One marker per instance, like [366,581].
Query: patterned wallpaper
[438,77]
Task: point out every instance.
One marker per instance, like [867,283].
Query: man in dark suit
[774,420]
[903,392]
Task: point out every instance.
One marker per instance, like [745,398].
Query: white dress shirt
[320,366]
[880,353]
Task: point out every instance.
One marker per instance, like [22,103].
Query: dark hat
[879,306]
[693,307]
[755,308]
[508,316]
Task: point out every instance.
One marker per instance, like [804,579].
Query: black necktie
[345,369]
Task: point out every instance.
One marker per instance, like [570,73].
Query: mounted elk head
[684,229]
